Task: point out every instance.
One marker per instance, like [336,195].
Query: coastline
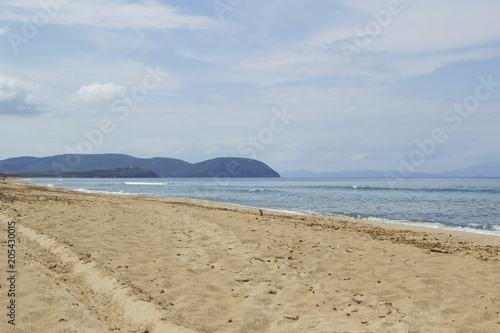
[359,206]
[193,265]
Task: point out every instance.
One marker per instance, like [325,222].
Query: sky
[322,85]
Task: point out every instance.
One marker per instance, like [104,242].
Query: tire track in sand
[116,299]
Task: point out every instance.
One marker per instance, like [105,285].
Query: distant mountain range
[484,170]
[90,165]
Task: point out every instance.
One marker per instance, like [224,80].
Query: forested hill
[130,172]
[223,167]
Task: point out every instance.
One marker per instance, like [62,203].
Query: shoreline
[384,221]
[181,265]
[390,224]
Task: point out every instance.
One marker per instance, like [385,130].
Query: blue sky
[319,85]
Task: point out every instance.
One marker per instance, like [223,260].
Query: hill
[344,174]
[227,167]
[130,172]
[485,170]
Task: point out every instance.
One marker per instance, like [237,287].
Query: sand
[103,263]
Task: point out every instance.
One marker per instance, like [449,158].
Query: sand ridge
[136,263]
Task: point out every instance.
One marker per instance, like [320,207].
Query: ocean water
[466,204]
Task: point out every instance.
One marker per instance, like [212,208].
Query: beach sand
[103,263]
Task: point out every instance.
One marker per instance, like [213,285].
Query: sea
[464,204]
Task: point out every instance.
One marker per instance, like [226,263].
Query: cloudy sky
[324,85]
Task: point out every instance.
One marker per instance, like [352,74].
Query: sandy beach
[104,263]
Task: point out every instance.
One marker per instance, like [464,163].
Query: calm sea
[467,204]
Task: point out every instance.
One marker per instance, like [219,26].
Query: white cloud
[290,66]
[418,39]
[4,30]
[422,37]
[18,97]
[327,38]
[407,66]
[97,93]
[416,26]
[430,26]
[145,14]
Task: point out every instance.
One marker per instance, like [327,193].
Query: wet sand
[103,263]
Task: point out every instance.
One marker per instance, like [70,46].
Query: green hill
[130,172]
[227,167]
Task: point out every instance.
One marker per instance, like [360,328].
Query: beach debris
[439,251]
[243,280]
[482,258]
[291,317]
[255,258]
[272,292]
[384,303]
[261,213]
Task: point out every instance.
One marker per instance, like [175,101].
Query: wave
[406,189]
[476,228]
[83,190]
[489,229]
[252,190]
[286,211]
[146,184]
